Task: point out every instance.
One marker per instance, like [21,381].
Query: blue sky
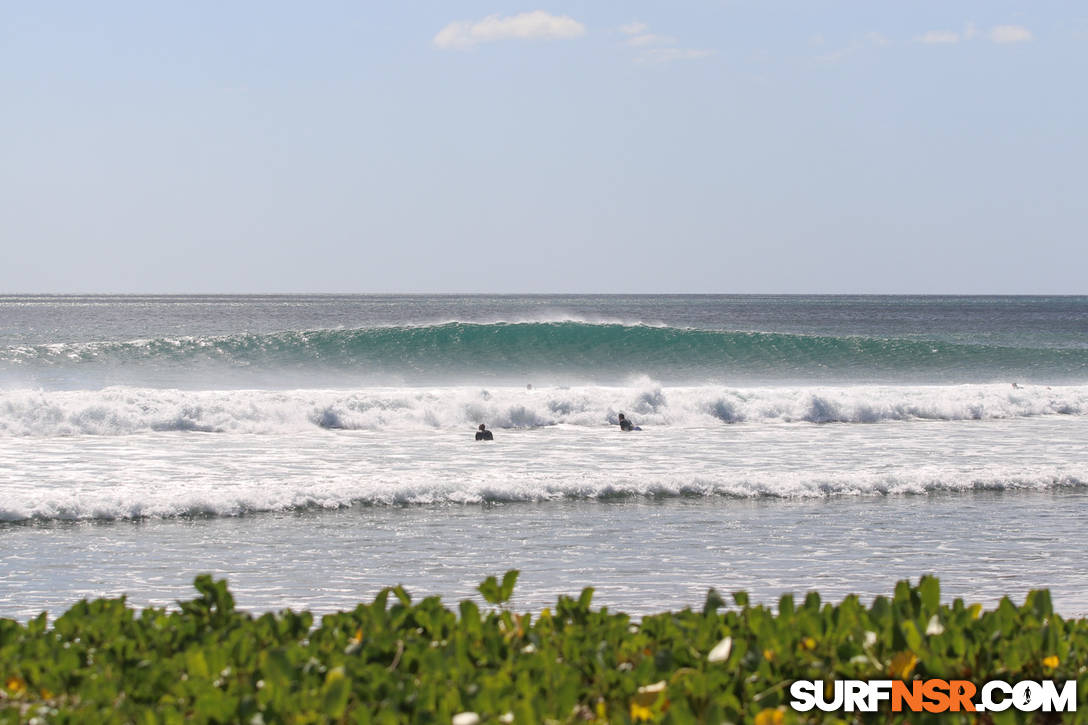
[611,146]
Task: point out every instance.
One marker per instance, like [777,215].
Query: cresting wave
[174,502]
[125,411]
[565,347]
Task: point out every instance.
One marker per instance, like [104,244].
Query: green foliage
[495,593]
[397,660]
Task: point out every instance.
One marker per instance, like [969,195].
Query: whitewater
[125,411]
[315,448]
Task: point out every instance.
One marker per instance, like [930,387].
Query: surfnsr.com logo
[933,695]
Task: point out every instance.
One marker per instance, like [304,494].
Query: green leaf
[402,595]
[903,599]
[930,590]
[508,582]
[276,666]
[335,693]
[196,664]
[489,588]
[470,616]
[911,635]
[1039,601]
[713,602]
[585,598]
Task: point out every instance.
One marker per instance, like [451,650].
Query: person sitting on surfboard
[625,424]
[483,434]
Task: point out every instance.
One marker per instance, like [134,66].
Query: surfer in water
[483,434]
[625,423]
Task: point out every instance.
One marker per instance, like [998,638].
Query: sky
[612,146]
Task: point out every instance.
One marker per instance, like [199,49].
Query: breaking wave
[560,348]
[125,410]
[241,500]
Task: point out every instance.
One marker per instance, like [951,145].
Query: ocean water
[313,449]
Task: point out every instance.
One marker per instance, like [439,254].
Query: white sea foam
[210,498]
[125,410]
[415,446]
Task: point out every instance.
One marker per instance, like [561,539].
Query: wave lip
[126,411]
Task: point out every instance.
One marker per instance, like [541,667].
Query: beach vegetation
[397,659]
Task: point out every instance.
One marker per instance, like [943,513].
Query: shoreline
[641,555]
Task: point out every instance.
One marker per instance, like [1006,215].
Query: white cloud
[938,37]
[464,34]
[1010,34]
[638,35]
[998,34]
[657,48]
[876,38]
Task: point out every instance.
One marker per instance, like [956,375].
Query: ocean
[313,449]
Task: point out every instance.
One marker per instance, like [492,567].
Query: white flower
[654,688]
[506,717]
[934,626]
[870,639]
[466,718]
[721,651]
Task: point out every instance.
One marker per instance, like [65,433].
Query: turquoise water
[335,341]
[561,351]
[235,431]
